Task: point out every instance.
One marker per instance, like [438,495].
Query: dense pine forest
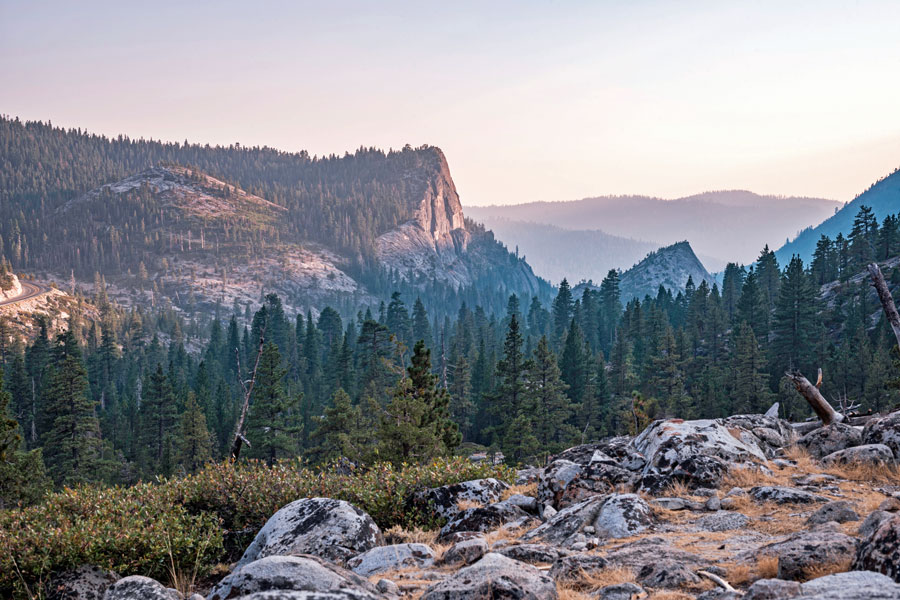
[124,399]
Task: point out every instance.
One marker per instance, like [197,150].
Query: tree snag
[815,398]
[239,438]
[887,301]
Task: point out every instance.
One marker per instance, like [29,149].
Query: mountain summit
[670,267]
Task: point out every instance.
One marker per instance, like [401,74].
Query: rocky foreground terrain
[743,507]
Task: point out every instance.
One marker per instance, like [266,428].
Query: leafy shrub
[179,523]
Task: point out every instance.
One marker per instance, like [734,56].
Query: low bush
[178,524]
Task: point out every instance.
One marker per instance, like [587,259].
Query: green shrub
[148,529]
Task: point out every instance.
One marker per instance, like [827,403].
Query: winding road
[30,290]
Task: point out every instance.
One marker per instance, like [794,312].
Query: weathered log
[887,301]
[816,400]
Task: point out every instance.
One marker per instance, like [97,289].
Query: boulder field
[731,508]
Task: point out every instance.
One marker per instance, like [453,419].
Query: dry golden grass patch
[745,477]
[669,595]
[526,489]
[566,592]
[464,505]
[866,472]
[831,568]
[604,577]
[508,534]
[399,535]
[743,574]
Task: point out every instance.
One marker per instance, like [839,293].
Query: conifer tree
[194,440]
[795,321]
[273,423]
[159,415]
[507,398]
[338,434]
[750,391]
[421,328]
[562,310]
[546,402]
[72,445]
[416,425]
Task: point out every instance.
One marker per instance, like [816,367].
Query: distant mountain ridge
[726,226]
[556,253]
[669,267]
[883,197]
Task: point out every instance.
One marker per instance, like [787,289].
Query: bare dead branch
[887,301]
[815,398]
[239,438]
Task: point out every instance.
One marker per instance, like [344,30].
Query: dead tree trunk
[887,301]
[815,398]
[239,438]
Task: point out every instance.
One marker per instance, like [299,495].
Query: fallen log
[887,301]
[814,397]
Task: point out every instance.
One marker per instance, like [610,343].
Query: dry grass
[744,477]
[565,592]
[527,489]
[743,574]
[827,569]
[607,576]
[399,535]
[870,473]
[508,534]
[464,505]
[678,489]
[669,595]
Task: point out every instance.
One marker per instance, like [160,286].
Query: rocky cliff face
[433,241]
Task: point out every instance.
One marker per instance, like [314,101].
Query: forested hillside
[192,226]
[882,198]
[124,399]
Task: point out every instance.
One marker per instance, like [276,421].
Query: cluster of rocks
[596,507]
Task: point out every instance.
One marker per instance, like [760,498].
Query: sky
[530,101]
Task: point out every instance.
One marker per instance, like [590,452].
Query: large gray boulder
[494,576]
[852,585]
[613,516]
[866,453]
[839,512]
[554,481]
[387,558]
[445,500]
[873,522]
[829,439]
[84,583]
[304,573]
[575,566]
[696,453]
[534,553]
[880,551]
[784,495]
[666,573]
[805,551]
[465,552]
[772,589]
[884,430]
[770,434]
[332,529]
[137,587]
[487,518]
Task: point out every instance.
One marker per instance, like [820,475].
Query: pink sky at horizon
[530,101]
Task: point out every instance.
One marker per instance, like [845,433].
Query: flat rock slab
[839,512]
[803,552]
[866,453]
[445,500]
[293,573]
[137,587]
[84,583]
[852,585]
[495,576]
[332,529]
[722,520]
[880,551]
[534,554]
[785,495]
[386,558]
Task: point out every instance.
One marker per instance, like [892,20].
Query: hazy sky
[529,100]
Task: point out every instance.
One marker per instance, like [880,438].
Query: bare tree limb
[815,398]
[717,580]
[247,386]
[887,301]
